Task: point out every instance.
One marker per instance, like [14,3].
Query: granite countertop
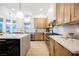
[12,36]
[70,44]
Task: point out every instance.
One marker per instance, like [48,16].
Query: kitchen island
[14,44]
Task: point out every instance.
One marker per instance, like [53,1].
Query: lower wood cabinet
[61,51]
[51,47]
[39,36]
[55,49]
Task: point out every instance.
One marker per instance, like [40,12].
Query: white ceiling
[26,8]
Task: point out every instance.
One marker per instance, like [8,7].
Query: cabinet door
[61,51]
[59,13]
[36,36]
[75,11]
[45,38]
[35,23]
[46,23]
[39,36]
[66,13]
[51,48]
[41,23]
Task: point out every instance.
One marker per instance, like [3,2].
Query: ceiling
[27,8]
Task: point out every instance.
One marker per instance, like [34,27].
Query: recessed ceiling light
[13,9]
[41,9]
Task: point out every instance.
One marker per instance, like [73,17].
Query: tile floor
[38,48]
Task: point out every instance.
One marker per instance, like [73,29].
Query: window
[27,24]
[8,26]
[1,21]
[14,26]
[27,27]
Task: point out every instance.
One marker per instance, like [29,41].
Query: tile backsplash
[58,29]
[66,29]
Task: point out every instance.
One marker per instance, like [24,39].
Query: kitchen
[39,29]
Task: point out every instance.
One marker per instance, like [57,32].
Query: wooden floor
[38,48]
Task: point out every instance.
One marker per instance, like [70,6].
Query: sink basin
[69,38]
[72,39]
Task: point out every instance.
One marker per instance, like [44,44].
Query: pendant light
[19,13]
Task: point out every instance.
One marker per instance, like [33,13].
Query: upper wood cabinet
[59,13]
[66,12]
[75,12]
[35,23]
[40,23]
[62,13]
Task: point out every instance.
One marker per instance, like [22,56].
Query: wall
[58,29]
[4,13]
[52,12]
[67,29]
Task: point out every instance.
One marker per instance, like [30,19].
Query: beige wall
[52,12]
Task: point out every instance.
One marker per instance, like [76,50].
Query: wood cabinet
[39,36]
[63,13]
[75,12]
[40,23]
[61,51]
[51,47]
[55,49]
[67,15]
[35,23]
[59,13]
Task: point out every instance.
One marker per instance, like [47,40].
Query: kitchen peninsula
[63,46]
[14,44]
